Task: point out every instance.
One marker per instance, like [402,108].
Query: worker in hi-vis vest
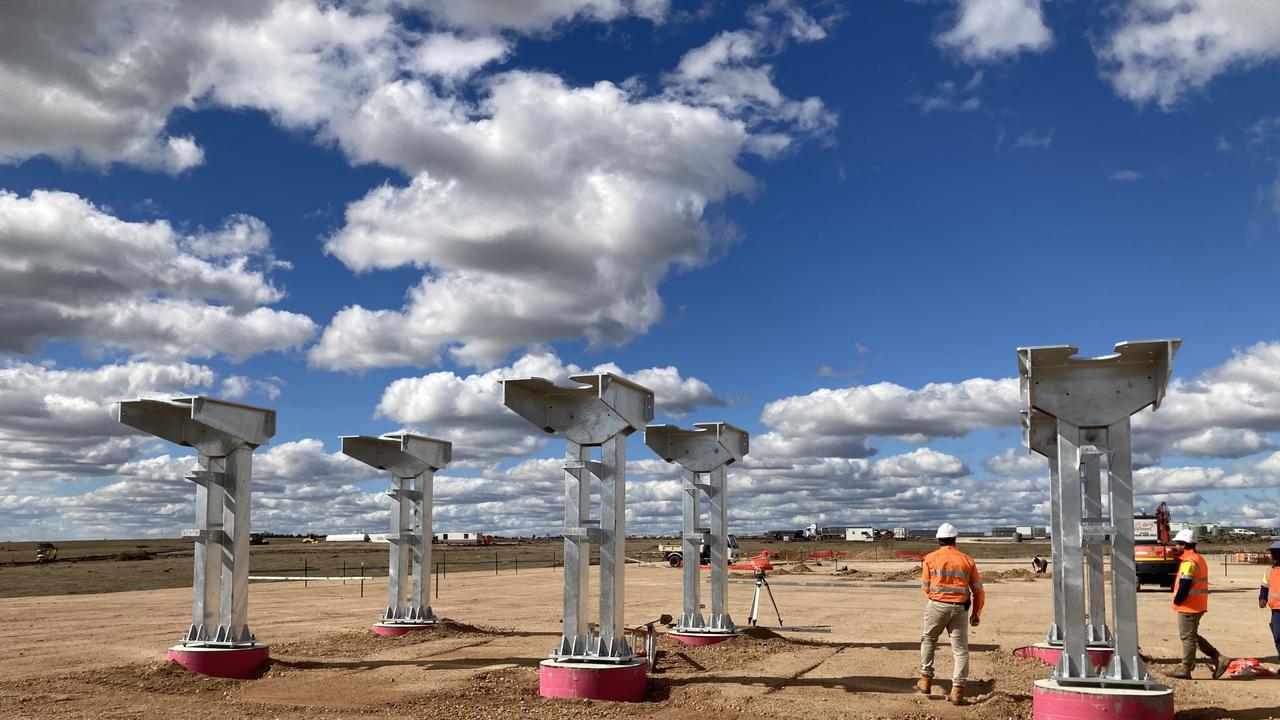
[1191,602]
[950,579]
[1269,595]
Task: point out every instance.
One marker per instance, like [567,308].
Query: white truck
[674,554]
[860,534]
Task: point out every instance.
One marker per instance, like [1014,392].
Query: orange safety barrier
[827,555]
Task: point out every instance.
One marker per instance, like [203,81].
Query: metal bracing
[703,452]
[598,413]
[225,435]
[412,461]
[1084,405]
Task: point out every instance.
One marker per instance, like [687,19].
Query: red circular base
[1060,702]
[696,638]
[592,681]
[398,629]
[236,663]
[1099,657]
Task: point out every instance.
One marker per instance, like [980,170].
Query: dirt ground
[101,656]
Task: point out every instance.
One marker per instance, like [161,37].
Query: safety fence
[340,570]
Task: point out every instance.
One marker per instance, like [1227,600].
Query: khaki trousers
[1189,632]
[939,616]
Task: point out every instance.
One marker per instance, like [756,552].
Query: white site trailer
[458,538]
[860,534]
[347,537]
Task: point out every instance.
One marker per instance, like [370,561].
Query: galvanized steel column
[398,567]
[1054,636]
[719,511]
[422,503]
[691,539]
[234,603]
[1126,662]
[1097,632]
[577,548]
[613,546]
[1074,662]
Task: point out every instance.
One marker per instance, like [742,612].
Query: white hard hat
[947,530]
[1185,536]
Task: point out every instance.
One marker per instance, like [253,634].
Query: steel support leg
[691,540]
[422,504]
[577,550]
[234,602]
[719,511]
[401,551]
[1074,662]
[208,549]
[1126,662]
[613,643]
[1097,632]
[1054,636]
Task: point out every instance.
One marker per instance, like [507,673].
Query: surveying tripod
[755,600]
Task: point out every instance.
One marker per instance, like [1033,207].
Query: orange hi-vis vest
[948,575]
[1193,566]
[1273,588]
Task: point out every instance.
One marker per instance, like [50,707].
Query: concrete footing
[1052,701]
[701,637]
[240,663]
[621,682]
[1098,656]
[396,629]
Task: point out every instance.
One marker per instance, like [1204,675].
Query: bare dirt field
[101,655]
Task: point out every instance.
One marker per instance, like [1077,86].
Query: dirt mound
[755,643]
[363,642]
[801,568]
[1000,575]
[760,633]
[164,677]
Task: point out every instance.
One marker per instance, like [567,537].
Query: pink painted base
[697,638]
[1052,701]
[234,663]
[1050,654]
[592,681]
[398,629]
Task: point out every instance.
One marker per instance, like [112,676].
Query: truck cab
[674,554]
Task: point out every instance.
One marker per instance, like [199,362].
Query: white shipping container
[347,537]
[860,534]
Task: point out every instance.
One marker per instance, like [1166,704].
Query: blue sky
[830,223]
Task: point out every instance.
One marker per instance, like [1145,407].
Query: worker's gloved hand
[974,620]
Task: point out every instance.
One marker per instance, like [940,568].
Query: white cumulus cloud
[72,271]
[1161,50]
[986,30]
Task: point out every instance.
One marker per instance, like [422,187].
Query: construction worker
[950,579]
[1191,602]
[1269,595]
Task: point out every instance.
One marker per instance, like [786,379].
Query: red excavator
[1155,557]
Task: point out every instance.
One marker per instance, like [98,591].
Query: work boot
[957,695]
[1220,666]
[1182,672]
[925,685]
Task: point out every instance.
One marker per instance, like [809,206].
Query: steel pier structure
[1078,415]
[600,412]
[219,641]
[412,461]
[704,453]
